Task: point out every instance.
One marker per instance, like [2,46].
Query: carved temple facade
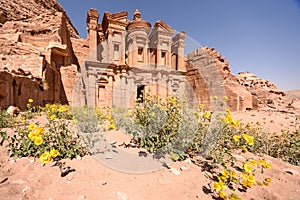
[130,57]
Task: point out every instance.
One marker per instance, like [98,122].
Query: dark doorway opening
[140,93]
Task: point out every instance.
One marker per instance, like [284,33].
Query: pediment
[161,26]
[119,16]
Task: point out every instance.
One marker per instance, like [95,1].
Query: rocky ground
[91,178]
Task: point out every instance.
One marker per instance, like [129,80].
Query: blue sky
[259,36]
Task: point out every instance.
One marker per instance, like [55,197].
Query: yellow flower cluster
[111,125]
[225,176]
[248,139]
[54,110]
[47,156]
[218,186]
[228,119]
[248,180]
[35,134]
[207,115]
[265,164]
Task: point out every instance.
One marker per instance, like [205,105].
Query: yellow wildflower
[54,153]
[39,130]
[236,138]
[248,180]
[52,117]
[253,162]
[233,175]
[32,135]
[173,156]
[218,186]
[30,100]
[215,98]
[269,180]
[234,196]
[223,195]
[235,123]
[111,126]
[244,149]
[251,178]
[53,108]
[264,164]
[201,106]
[249,139]
[31,126]
[45,157]
[225,173]
[259,183]
[225,98]
[62,109]
[207,115]
[38,140]
[247,168]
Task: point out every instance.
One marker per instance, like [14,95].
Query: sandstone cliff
[36,54]
[209,74]
[267,94]
[20,10]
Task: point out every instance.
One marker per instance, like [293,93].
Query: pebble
[108,156]
[25,189]
[188,160]
[32,161]
[175,171]
[122,196]
[78,157]
[81,197]
[183,168]
[20,181]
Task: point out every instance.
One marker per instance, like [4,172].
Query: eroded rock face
[209,74]
[19,10]
[267,94]
[35,50]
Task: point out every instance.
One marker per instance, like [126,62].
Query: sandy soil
[90,178]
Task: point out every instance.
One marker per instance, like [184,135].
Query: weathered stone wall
[35,45]
[20,10]
[209,74]
[17,87]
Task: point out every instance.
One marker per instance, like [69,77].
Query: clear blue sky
[260,36]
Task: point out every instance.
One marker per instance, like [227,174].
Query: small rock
[122,196]
[32,161]
[108,156]
[12,110]
[188,160]
[20,181]
[291,171]
[25,189]
[175,171]
[78,157]
[81,197]
[183,168]
[104,182]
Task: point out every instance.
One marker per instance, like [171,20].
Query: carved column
[134,53]
[158,56]
[122,49]
[110,98]
[110,45]
[91,93]
[92,23]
